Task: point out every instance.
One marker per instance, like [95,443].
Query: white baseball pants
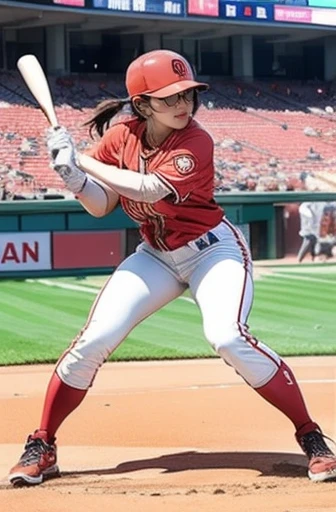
[217,270]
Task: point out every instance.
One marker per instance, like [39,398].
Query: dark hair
[196,103]
[104,112]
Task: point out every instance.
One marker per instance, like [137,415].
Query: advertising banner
[204,7]
[170,7]
[70,3]
[307,15]
[24,251]
[322,3]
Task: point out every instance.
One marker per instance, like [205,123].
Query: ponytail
[104,112]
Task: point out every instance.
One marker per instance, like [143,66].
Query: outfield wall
[58,237]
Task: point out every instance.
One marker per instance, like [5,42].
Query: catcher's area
[169,436]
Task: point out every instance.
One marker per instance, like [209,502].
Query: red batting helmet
[160,73]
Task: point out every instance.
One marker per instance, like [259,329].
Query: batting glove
[57,138]
[63,155]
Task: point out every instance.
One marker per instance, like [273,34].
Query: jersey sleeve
[108,150]
[189,166]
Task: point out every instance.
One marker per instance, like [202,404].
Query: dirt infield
[169,436]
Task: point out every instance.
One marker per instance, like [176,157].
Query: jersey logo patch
[184,164]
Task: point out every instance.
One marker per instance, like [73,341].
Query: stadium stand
[268,135]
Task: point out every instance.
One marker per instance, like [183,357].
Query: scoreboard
[308,12]
[298,12]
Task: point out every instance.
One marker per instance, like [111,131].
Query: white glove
[63,155]
[57,138]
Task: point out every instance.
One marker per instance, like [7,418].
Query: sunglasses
[188,96]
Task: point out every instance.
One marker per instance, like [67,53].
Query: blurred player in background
[159,165]
[310,215]
[317,229]
[326,239]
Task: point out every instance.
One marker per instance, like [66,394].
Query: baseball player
[310,215]
[159,165]
[326,238]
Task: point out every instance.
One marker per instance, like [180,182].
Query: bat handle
[53,120]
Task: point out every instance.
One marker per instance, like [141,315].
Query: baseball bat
[36,81]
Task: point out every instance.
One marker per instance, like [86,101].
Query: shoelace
[33,450]
[314,445]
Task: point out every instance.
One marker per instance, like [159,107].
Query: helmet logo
[179,68]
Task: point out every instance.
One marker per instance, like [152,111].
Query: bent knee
[223,339]
[79,365]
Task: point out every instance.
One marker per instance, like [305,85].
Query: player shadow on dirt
[267,464]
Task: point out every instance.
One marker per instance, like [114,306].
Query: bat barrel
[36,81]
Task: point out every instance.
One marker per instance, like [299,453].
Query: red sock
[60,401]
[284,393]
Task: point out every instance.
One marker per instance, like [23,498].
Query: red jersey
[184,163]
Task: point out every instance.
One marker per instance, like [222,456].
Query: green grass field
[293,313]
